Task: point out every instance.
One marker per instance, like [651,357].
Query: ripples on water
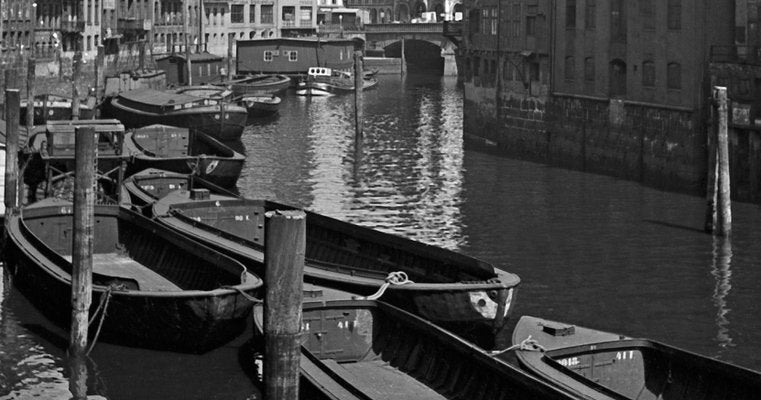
[590,249]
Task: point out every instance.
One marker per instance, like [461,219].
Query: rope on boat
[527,344]
[393,278]
[102,308]
[244,294]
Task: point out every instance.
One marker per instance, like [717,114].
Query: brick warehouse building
[611,86]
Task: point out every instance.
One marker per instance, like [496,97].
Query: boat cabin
[293,56]
[204,67]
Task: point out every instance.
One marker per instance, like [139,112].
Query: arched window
[570,68]
[648,74]
[589,69]
[617,76]
[674,75]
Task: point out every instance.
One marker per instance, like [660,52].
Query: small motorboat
[158,289]
[459,292]
[363,349]
[600,365]
[322,81]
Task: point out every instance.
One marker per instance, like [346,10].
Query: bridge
[433,40]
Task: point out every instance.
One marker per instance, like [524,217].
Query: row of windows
[618,14]
[618,67]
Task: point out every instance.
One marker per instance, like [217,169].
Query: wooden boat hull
[144,187]
[318,88]
[602,366]
[372,350]
[223,122]
[54,108]
[258,85]
[207,311]
[205,157]
[260,106]
[451,289]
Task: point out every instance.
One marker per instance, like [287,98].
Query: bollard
[30,75]
[359,81]
[12,110]
[82,245]
[723,200]
[285,242]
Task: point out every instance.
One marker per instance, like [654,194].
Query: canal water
[590,250]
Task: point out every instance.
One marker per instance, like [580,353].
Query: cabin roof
[193,57]
[302,40]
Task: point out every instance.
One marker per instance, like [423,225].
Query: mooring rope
[244,294]
[393,278]
[102,309]
[527,344]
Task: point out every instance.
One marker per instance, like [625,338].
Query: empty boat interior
[129,251]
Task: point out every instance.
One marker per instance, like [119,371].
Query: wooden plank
[122,266]
[380,381]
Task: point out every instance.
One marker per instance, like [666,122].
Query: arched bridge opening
[421,55]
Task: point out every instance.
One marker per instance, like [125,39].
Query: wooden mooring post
[82,247]
[31,65]
[75,85]
[404,60]
[12,111]
[100,77]
[285,242]
[359,80]
[719,210]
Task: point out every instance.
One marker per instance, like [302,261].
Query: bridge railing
[435,27]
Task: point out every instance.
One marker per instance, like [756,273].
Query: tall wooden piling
[31,66]
[188,66]
[230,43]
[75,85]
[10,79]
[404,59]
[82,247]
[285,241]
[100,77]
[12,111]
[359,80]
[711,174]
[724,202]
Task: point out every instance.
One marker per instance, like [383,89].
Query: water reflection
[720,269]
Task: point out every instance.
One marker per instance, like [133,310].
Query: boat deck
[380,381]
[122,266]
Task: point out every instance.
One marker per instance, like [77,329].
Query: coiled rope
[393,278]
[527,344]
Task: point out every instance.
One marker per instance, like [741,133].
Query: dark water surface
[591,250]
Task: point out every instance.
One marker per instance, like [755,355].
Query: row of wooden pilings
[285,243]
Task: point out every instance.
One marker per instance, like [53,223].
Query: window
[589,69]
[267,14]
[252,14]
[674,76]
[674,14]
[236,13]
[590,11]
[494,19]
[306,14]
[648,74]
[533,71]
[474,20]
[289,15]
[617,76]
[293,56]
[516,20]
[648,14]
[617,21]
[570,68]
[530,26]
[486,25]
[476,66]
[570,14]
[267,56]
